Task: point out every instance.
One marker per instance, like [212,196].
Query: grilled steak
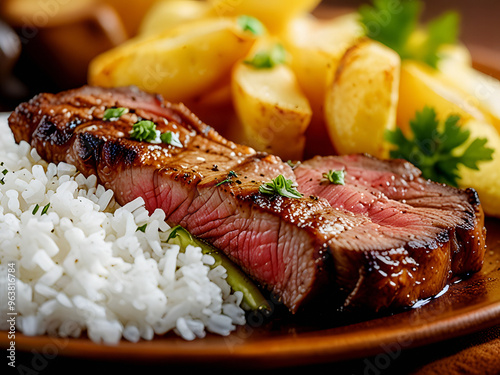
[441,228]
[386,238]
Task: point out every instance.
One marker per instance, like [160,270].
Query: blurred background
[46,45]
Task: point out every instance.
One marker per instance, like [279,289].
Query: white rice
[83,266]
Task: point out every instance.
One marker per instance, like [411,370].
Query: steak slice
[444,226]
[211,187]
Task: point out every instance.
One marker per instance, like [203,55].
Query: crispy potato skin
[361,102]
[273,112]
[180,64]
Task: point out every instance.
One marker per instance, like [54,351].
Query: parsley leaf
[438,150]
[171,138]
[142,228]
[111,114]
[230,175]
[252,24]
[144,130]
[395,23]
[268,59]
[335,177]
[280,186]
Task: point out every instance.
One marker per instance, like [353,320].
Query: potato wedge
[272,111]
[361,102]
[274,14]
[479,89]
[180,64]
[316,48]
[421,85]
[166,14]
[486,180]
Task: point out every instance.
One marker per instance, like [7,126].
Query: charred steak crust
[390,236]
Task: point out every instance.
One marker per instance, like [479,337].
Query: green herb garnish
[335,177]
[142,228]
[45,209]
[280,186]
[144,130]
[5,171]
[111,114]
[293,164]
[395,23]
[268,59]
[171,138]
[438,150]
[230,175]
[35,210]
[252,24]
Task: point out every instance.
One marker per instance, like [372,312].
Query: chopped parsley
[144,130]
[171,138]
[111,114]
[230,175]
[251,24]
[438,150]
[395,23]
[142,228]
[45,209]
[268,59]
[4,172]
[35,210]
[335,177]
[280,186]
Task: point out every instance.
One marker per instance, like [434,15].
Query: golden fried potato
[361,101]
[272,111]
[479,89]
[274,14]
[486,180]
[316,48]
[180,64]
[421,85]
[166,14]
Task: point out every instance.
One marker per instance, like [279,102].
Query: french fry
[361,101]
[180,64]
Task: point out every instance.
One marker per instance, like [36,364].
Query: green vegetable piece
[280,186]
[239,281]
[335,177]
[396,22]
[252,24]
[35,210]
[230,175]
[142,228]
[144,130]
[171,138]
[45,209]
[438,150]
[111,114]
[268,59]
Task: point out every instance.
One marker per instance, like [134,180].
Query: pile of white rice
[83,265]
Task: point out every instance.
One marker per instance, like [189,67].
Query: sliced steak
[285,244]
[443,226]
